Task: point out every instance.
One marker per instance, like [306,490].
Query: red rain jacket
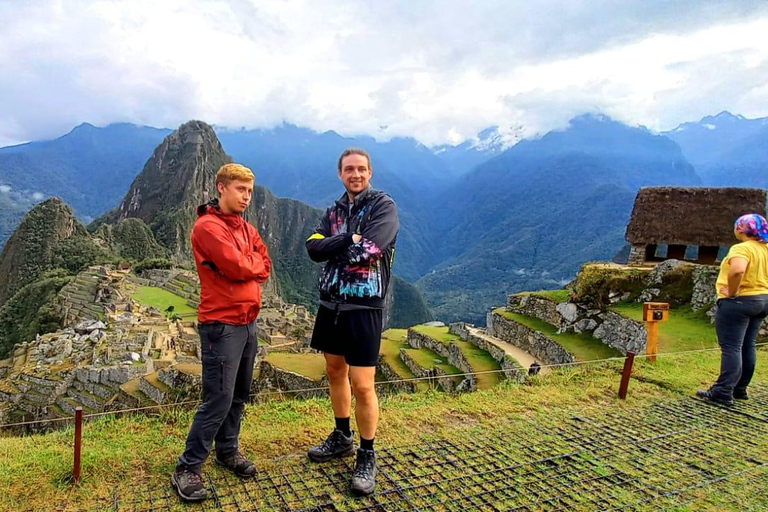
[232,261]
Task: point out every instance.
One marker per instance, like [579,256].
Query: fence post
[626,374]
[78,443]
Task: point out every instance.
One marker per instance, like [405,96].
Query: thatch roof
[691,216]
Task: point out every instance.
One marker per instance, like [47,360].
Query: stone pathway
[520,355]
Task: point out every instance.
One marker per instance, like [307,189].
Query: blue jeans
[737,322]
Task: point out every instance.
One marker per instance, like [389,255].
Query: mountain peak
[29,250]
[180,175]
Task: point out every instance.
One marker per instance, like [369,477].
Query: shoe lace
[238,458]
[193,478]
[331,440]
[365,464]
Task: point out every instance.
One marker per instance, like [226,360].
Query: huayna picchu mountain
[180,175]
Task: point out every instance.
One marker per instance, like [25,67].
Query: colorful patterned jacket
[356,274]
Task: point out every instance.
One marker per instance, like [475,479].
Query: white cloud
[437,70]
[5,189]
[37,196]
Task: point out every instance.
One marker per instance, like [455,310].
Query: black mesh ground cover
[654,458]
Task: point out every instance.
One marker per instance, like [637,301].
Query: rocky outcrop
[623,334]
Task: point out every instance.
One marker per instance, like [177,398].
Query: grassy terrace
[311,366]
[479,359]
[685,330]
[161,299]
[583,346]
[392,340]
[555,295]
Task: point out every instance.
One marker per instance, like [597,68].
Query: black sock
[343,425]
[366,444]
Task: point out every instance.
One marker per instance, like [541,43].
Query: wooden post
[653,340]
[626,374]
[78,443]
[653,313]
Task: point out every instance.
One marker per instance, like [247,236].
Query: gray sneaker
[189,485]
[337,445]
[364,478]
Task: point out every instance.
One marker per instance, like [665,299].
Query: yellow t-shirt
[755,280]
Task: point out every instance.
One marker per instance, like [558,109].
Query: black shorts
[355,334]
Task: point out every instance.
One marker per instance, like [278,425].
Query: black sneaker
[337,445]
[740,395]
[238,464]
[714,398]
[364,478]
[189,485]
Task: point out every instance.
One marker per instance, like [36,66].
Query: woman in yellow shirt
[742,305]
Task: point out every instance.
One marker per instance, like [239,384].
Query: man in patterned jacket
[356,238]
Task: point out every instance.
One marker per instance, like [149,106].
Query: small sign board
[655,311]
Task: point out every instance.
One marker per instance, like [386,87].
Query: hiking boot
[714,398]
[740,394]
[337,445]
[364,477]
[238,464]
[189,485]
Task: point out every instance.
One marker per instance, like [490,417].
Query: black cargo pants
[228,355]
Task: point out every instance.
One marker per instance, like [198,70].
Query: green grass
[478,359]
[123,454]
[392,340]
[428,359]
[583,346]
[438,333]
[311,366]
[157,297]
[685,330]
[555,295]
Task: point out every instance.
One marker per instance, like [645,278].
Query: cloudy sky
[437,70]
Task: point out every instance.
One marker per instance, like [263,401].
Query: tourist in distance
[356,238]
[232,262]
[742,305]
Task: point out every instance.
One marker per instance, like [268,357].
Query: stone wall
[450,351]
[434,375]
[390,375]
[543,348]
[621,333]
[114,375]
[272,378]
[704,292]
[185,383]
[154,392]
[512,368]
[543,308]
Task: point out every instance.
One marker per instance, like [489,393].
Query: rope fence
[379,383]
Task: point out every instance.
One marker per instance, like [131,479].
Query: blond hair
[231,172]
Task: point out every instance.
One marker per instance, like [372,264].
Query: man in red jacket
[232,262]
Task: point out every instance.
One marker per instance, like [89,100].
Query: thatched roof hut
[691,216]
[688,216]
